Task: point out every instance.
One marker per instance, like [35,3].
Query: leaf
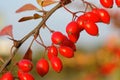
[37,16]
[28,54]
[45,3]
[7,30]
[26,7]
[26,18]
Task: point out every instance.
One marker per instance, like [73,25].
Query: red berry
[90,16]
[103,15]
[91,28]
[66,51]
[25,65]
[117,2]
[7,76]
[56,64]
[107,3]
[57,37]
[72,28]
[42,67]
[52,51]
[25,76]
[80,20]
[69,43]
[74,37]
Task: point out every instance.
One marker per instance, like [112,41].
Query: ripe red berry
[56,64]
[25,76]
[42,67]
[7,76]
[25,65]
[91,28]
[80,20]
[72,28]
[103,15]
[74,37]
[52,51]
[66,51]
[107,3]
[57,37]
[69,43]
[117,2]
[90,16]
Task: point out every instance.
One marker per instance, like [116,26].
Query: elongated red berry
[74,37]
[107,3]
[69,43]
[117,3]
[56,64]
[42,67]
[25,76]
[103,15]
[7,76]
[25,65]
[90,16]
[66,51]
[72,28]
[57,37]
[91,28]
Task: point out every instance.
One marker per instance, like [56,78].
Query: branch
[18,43]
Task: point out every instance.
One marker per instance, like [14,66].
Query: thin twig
[20,42]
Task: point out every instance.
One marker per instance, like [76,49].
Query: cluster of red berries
[109,3]
[24,68]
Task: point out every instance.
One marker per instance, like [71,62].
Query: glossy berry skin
[66,51]
[80,20]
[91,28]
[25,76]
[57,37]
[42,67]
[103,15]
[107,3]
[117,3]
[90,16]
[7,76]
[74,37]
[56,64]
[52,51]
[25,65]
[72,28]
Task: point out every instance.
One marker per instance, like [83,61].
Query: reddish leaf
[7,30]
[45,3]
[26,18]
[26,7]
[28,55]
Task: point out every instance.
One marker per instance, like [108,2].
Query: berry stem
[48,14]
